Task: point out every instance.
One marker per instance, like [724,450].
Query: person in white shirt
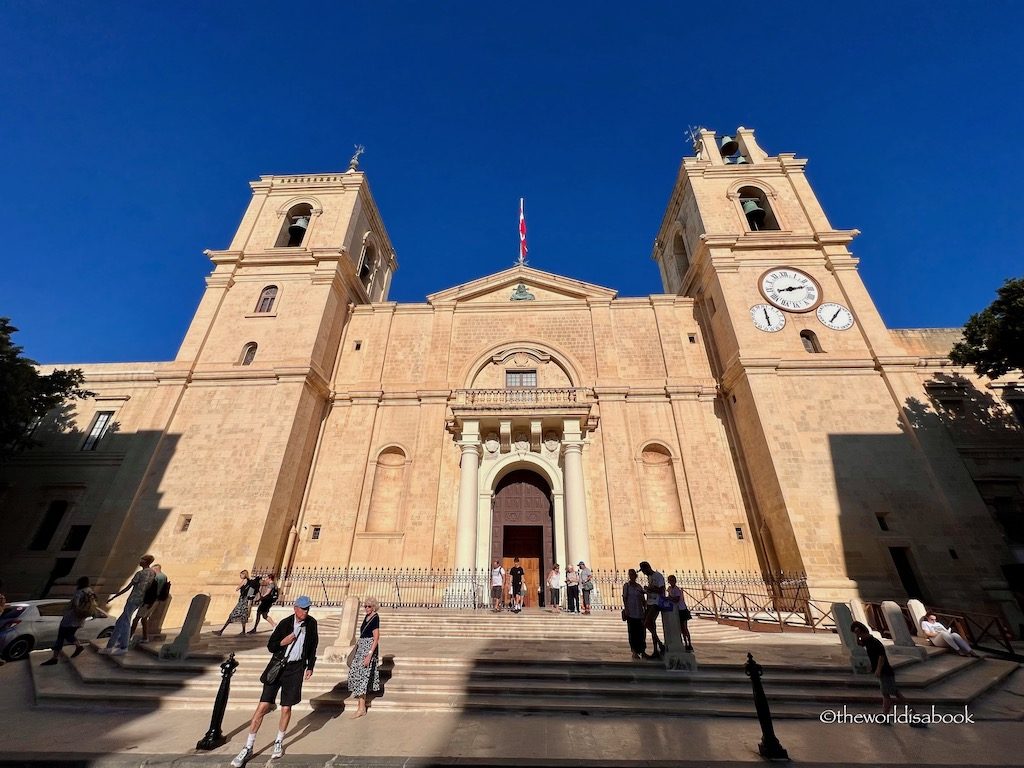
[497,586]
[943,637]
[555,582]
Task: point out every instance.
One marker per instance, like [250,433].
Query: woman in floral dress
[364,672]
[247,591]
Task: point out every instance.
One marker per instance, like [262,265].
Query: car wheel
[19,648]
[105,633]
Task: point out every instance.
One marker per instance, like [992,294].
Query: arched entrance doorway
[521,526]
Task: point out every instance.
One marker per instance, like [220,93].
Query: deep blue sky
[129,133]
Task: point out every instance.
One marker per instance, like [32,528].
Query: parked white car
[33,624]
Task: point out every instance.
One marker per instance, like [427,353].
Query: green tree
[994,338]
[25,394]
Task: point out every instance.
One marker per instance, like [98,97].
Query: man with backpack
[268,596]
[82,606]
[117,645]
[157,592]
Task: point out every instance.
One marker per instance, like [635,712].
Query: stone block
[902,640]
[675,655]
[917,613]
[856,654]
[188,638]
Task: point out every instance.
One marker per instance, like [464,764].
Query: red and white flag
[522,233]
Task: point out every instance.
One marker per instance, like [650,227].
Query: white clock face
[767,318]
[790,289]
[835,316]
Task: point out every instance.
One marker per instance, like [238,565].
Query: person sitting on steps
[942,636]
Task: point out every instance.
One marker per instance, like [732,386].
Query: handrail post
[215,736]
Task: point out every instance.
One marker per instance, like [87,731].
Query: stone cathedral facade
[755,416]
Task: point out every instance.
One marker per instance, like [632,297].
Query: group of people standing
[642,604]
[578,582]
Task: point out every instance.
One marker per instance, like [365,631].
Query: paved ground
[121,738]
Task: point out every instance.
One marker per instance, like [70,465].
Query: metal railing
[517,396]
[778,598]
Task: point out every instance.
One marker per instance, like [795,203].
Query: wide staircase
[440,660]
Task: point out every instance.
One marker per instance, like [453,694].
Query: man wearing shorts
[517,573]
[497,586]
[295,638]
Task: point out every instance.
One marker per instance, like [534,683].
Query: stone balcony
[572,402]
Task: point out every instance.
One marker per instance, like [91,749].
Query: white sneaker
[242,757]
[278,751]
[118,651]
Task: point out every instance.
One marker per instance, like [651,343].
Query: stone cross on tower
[353,164]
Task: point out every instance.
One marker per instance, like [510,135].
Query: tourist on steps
[655,590]
[82,606]
[555,588]
[675,595]
[572,589]
[247,591]
[268,596]
[497,586]
[158,591]
[517,574]
[586,584]
[364,671]
[942,636]
[118,643]
[293,642]
[634,610]
[881,669]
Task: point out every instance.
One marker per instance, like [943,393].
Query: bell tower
[813,387]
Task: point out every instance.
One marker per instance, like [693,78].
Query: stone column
[577,533]
[465,528]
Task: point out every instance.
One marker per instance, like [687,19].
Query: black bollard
[769,748]
[215,737]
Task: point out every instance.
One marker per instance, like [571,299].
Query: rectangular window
[100,423]
[881,522]
[51,520]
[692,337]
[186,521]
[739,533]
[515,379]
[357,346]
[75,538]
[315,536]
[953,554]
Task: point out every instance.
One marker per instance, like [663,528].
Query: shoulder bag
[274,669]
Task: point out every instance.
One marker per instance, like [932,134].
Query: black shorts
[264,607]
[289,684]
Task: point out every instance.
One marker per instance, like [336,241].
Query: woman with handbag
[675,596]
[634,608]
[364,671]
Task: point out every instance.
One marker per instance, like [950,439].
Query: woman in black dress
[364,672]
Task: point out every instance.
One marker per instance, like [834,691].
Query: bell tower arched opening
[522,525]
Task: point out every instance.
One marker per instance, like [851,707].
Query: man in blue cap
[293,644]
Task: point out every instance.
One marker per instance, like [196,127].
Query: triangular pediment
[521,284]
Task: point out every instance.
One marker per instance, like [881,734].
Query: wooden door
[522,527]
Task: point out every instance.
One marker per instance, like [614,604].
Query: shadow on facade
[910,518]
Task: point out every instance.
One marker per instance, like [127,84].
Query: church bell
[728,146]
[755,213]
[297,230]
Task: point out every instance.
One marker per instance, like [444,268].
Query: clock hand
[766,318]
[835,316]
[794,288]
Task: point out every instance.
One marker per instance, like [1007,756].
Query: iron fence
[710,592]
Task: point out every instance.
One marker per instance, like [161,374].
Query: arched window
[756,210]
[388,487]
[293,230]
[366,267]
[267,298]
[810,342]
[681,255]
[249,353]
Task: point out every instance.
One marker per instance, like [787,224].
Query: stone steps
[538,662]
